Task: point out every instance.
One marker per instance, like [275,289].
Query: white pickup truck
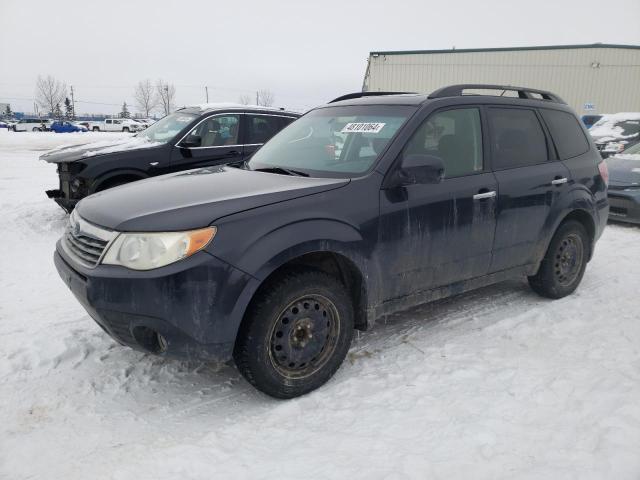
[116,125]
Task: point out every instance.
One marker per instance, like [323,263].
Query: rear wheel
[96,129]
[296,334]
[125,129]
[563,265]
[36,129]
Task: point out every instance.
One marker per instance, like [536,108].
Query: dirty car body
[624,186]
[189,138]
[353,202]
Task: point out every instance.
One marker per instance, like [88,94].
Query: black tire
[125,129]
[295,334]
[36,129]
[96,129]
[563,266]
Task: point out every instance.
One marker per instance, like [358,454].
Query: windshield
[334,141]
[168,127]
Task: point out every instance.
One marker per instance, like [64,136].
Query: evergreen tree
[125,111]
[68,109]
[7,112]
[57,112]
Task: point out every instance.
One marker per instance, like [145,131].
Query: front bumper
[624,205]
[195,305]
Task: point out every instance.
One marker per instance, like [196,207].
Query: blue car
[66,127]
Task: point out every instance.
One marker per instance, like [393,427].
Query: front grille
[87,248]
[84,242]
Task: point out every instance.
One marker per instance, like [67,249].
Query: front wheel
[36,129]
[296,334]
[125,129]
[564,264]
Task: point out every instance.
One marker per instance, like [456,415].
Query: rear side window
[517,138]
[566,132]
[262,128]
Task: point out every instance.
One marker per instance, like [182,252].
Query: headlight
[145,251]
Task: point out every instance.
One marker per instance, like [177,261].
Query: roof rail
[349,96]
[523,92]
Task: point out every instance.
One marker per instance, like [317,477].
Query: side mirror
[419,169]
[191,141]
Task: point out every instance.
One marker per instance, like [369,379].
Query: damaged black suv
[371,204]
[197,136]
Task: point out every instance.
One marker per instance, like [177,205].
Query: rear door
[215,140]
[530,184]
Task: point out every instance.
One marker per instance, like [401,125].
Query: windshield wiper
[286,171]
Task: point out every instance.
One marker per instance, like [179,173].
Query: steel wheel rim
[568,259]
[304,336]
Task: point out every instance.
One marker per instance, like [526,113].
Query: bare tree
[49,93]
[265,98]
[245,99]
[166,96]
[145,96]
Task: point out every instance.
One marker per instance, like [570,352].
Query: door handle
[483,195]
[559,181]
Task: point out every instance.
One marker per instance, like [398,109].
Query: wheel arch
[121,176]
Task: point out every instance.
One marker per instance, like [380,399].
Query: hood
[73,153]
[624,170]
[194,199]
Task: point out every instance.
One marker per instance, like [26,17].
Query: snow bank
[498,383]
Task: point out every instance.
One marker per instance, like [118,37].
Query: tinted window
[566,132]
[261,128]
[453,135]
[517,138]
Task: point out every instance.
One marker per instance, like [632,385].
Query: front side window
[261,128]
[517,138]
[334,141]
[216,131]
[453,135]
[167,127]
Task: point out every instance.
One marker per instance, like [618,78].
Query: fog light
[75,185]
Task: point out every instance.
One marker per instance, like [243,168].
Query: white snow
[606,129]
[498,383]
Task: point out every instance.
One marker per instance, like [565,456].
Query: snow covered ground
[499,383]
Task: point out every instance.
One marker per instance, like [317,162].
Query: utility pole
[206,90]
[257,98]
[73,104]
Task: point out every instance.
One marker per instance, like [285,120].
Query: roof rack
[349,96]
[457,90]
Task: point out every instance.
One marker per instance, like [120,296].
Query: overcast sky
[304,52]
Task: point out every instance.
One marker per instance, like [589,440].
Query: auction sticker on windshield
[362,127]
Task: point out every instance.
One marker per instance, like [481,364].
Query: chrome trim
[559,181]
[480,196]
[226,113]
[82,227]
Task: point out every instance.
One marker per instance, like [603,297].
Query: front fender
[99,181]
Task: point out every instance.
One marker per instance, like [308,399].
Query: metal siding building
[605,77]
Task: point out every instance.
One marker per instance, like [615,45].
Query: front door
[437,234]
[213,141]
[530,183]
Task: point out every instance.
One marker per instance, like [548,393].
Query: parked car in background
[32,125]
[4,124]
[624,185]
[66,127]
[189,138]
[615,133]
[590,120]
[116,125]
[147,122]
[275,261]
